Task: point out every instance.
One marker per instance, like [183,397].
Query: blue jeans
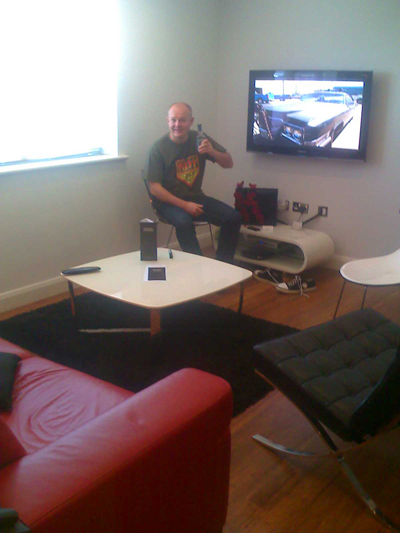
[215,212]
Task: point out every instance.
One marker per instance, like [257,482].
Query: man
[175,171]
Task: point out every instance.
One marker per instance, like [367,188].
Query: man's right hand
[163,195]
[193,209]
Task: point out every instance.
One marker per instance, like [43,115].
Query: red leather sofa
[95,457]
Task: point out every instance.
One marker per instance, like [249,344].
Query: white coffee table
[189,277]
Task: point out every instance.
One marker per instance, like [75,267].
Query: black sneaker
[297,286]
[269,275]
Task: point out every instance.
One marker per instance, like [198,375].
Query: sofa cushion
[10,448]
[8,368]
[52,400]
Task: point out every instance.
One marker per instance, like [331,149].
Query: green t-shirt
[179,168]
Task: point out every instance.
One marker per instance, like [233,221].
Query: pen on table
[171,255]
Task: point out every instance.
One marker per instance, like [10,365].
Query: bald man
[175,170]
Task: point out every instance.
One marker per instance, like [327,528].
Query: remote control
[80,270]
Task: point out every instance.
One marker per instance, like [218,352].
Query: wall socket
[322,210]
[300,208]
[283,205]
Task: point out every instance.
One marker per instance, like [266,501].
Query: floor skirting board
[32,293]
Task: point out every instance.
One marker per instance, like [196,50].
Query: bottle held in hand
[200,135]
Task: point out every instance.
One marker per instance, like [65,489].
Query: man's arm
[224,159]
[165,196]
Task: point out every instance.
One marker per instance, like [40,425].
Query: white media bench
[283,248]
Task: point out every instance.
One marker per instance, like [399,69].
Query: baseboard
[337,261]
[32,293]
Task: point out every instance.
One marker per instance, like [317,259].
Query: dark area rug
[194,334]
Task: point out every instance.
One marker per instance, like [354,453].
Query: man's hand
[193,209]
[163,195]
[223,159]
[207,148]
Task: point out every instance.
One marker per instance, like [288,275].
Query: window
[58,68]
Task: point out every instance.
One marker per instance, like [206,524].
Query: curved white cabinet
[284,248]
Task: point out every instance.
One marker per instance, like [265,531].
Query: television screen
[312,113]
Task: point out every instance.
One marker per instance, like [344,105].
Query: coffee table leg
[72,295]
[155,321]
[239,312]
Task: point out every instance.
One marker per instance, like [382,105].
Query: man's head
[180,121]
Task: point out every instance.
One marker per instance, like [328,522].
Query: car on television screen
[282,97]
[261,98]
[316,119]
[355,92]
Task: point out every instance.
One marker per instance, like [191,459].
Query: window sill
[61,163]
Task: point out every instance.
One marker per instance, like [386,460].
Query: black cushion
[8,367]
[344,372]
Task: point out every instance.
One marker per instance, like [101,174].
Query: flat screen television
[309,112]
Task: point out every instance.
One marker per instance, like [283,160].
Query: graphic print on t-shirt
[188,169]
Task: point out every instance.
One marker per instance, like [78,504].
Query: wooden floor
[271,493]
[277,493]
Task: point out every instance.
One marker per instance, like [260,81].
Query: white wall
[201,52]
[53,219]
[363,198]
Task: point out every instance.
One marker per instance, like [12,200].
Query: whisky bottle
[200,135]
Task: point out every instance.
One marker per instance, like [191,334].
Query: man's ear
[191,121]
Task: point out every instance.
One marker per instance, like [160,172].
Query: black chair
[343,375]
[164,221]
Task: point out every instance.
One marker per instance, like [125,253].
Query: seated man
[175,170]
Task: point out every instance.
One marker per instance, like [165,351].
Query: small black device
[257,254]
[157,274]
[171,255]
[80,270]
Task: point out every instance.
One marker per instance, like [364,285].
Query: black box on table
[148,240]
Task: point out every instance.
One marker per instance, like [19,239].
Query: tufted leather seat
[344,373]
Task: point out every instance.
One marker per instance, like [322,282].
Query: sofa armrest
[157,462]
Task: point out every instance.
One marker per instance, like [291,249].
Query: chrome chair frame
[335,453]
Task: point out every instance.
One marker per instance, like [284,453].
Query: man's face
[179,123]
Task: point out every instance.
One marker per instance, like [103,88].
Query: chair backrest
[151,199]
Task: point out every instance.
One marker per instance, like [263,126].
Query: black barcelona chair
[344,376]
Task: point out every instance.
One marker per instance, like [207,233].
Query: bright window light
[58,69]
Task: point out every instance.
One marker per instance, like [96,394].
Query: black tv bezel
[317,75]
